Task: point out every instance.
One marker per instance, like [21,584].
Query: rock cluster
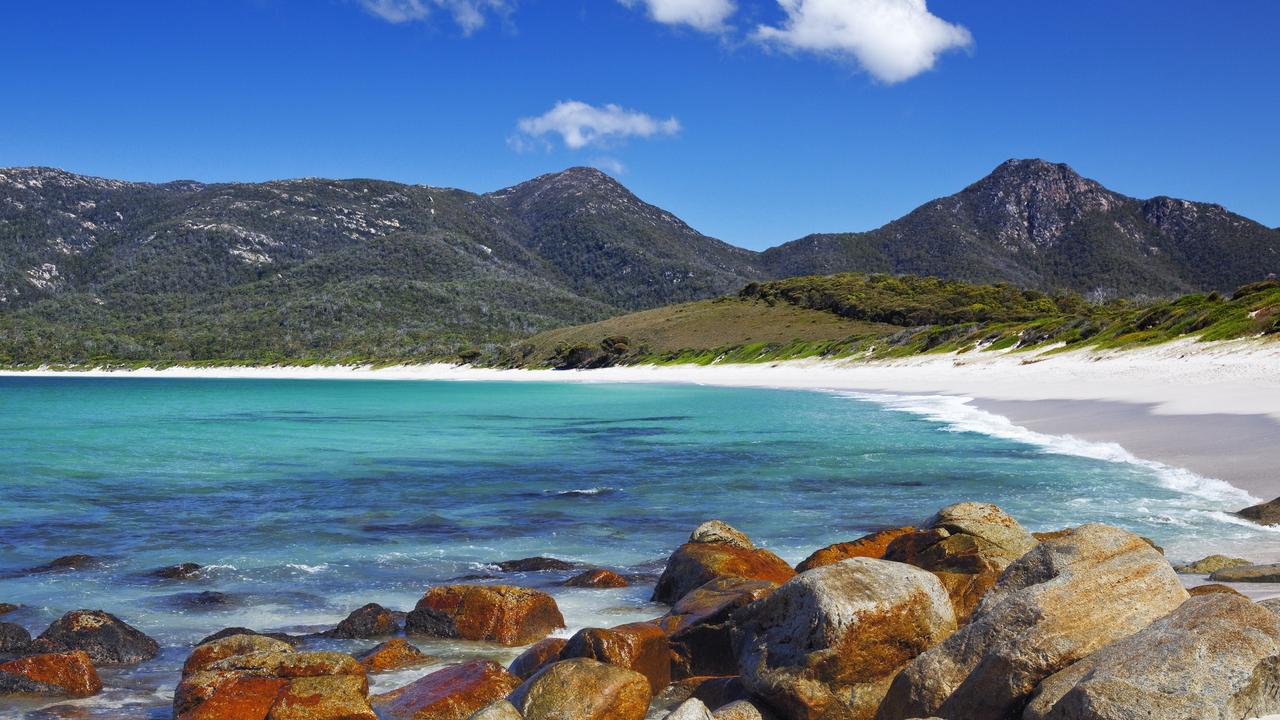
[964,616]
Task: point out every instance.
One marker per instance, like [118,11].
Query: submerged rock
[107,639]
[598,578]
[370,621]
[825,645]
[642,647]
[1248,574]
[583,689]
[967,546]
[228,632]
[1267,513]
[538,655]
[1213,658]
[868,546]
[6,608]
[393,654]
[502,614]
[1057,604]
[181,571]
[63,564]
[1211,564]
[70,673]
[713,553]
[204,600]
[454,693]
[534,564]
[14,639]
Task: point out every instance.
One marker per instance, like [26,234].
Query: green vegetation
[883,316]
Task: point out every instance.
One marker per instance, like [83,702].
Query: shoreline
[1211,408]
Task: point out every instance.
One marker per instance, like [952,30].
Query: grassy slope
[886,316]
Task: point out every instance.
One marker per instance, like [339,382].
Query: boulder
[1212,588]
[500,710]
[598,578]
[275,685]
[14,639]
[825,645]
[12,684]
[1248,573]
[700,625]
[869,546]
[1062,601]
[742,710]
[71,673]
[492,613]
[691,709]
[712,691]
[454,693]
[1211,564]
[534,564]
[716,532]
[206,654]
[370,621]
[968,546]
[538,655]
[640,646]
[1213,658]
[1267,513]
[107,639]
[583,689]
[713,552]
[6,608]
[181,571]
[393,654]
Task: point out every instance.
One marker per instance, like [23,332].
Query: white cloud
[580,125]
[892,39]
[470,15]
[611,165]
[705,15]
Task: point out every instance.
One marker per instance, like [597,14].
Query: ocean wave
[309,569]
[958,415]
[588,492]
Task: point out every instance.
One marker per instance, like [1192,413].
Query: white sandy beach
[1213,408]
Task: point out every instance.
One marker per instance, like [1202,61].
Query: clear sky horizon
[756,121]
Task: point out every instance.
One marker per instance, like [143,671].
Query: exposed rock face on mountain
[92,268]
[1038,224]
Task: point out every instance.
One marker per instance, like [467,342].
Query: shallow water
[307,499]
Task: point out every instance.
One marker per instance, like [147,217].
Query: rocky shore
[967,616]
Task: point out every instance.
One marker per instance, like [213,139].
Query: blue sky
[757,121]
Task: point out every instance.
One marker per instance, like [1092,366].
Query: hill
[880,316]
[1041,225]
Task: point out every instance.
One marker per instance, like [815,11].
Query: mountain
[1041,225]
[347,270]
[326,269]
[610,246]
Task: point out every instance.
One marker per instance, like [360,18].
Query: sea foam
[957,414]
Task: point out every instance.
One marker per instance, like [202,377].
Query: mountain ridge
[320,268]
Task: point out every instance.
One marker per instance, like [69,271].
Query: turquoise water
[306,499]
